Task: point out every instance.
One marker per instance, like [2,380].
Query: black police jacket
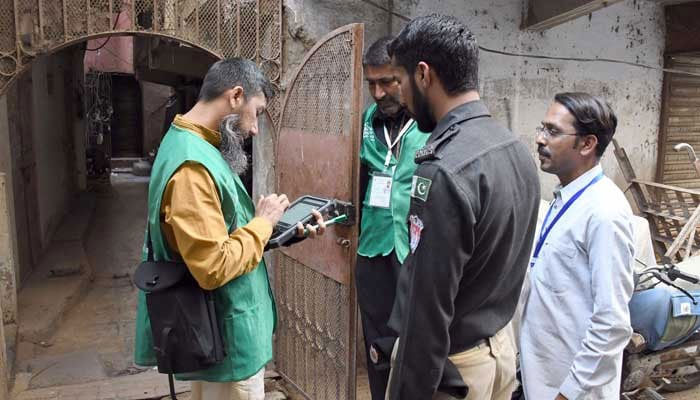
[471,223]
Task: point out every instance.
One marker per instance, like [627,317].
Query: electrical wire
[108,38]
[582,59]
[546,57]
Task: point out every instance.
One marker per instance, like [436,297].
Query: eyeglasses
[549,133]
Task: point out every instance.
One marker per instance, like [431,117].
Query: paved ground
[95,339]
[89,355]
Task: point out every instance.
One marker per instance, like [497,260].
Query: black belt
[476,344]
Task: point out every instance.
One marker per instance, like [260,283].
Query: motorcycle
[664,352]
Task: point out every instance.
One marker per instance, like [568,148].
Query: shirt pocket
[557,267]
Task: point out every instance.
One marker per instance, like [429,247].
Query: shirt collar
[463,112]
[210,135]
[577,184]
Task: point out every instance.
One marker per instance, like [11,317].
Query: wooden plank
[663,134]
[545,14]
[688,228]
[680,198]
[663,214]
[663,186]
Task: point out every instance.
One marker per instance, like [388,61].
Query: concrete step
[60,279]
[146,385]
[63,369]
[124,162]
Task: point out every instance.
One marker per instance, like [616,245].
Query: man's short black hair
[231,72]
[446,45]
[592,116]
[377,54]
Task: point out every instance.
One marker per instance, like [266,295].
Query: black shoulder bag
[185,329]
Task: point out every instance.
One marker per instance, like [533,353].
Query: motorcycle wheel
[681,383]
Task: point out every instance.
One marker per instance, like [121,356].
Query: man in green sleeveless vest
[390,139]
[200,212]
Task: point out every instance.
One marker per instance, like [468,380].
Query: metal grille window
[224,28]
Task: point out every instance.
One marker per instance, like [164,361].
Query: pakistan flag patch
[420,187]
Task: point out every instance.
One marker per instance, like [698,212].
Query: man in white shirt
[576,320]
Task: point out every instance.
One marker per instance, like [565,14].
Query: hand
[272,207]
[313,231]
[560,397]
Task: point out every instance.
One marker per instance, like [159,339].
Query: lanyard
[391,145]
[545,232]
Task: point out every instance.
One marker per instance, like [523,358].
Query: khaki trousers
[487,369]
[252,388]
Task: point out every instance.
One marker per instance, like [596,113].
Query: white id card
[380,193]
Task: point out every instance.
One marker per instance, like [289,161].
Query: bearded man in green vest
[390,139]
[200,212]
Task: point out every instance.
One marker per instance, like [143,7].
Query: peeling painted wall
[8,241]
[518,90]
[8,284]
[154,101]
[307,21]
[53,145]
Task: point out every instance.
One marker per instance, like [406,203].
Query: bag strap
[149,242]
[165,335]
[149,248]
[171,384]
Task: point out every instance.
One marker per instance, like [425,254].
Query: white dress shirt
[576,320]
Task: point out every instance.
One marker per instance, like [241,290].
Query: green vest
[245,306]
[386,229]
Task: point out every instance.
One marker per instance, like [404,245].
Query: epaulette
[429,152]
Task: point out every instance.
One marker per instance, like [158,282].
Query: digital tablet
[298,211]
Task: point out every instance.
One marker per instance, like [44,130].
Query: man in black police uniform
[472,219]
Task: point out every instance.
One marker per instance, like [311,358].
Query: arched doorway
[223,28]
[48,30]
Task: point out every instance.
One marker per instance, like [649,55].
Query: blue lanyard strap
[545,232]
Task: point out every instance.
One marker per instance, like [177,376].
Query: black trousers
[376,279]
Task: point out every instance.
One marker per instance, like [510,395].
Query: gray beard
[231,147]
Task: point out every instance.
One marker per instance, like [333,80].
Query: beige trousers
[252,388]
[487,369]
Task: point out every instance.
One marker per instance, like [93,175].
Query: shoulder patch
[415,231]
[420,187]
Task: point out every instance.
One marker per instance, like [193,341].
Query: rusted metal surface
[223,28]
[321,168]
[317,153]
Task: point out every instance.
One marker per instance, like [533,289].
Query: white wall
[518,90]
[52,144]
